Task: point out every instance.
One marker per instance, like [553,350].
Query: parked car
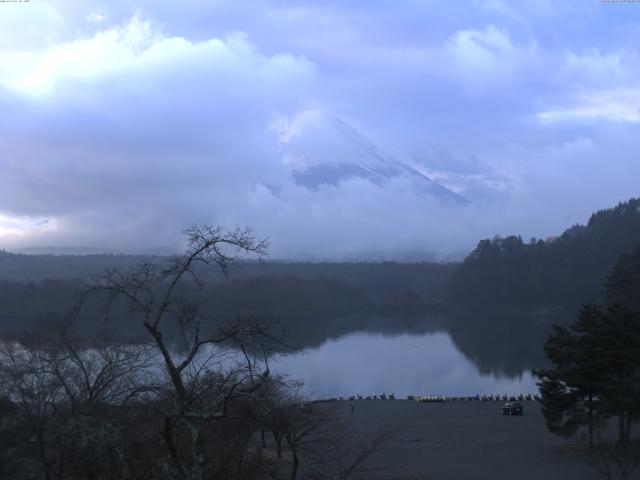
[512,408]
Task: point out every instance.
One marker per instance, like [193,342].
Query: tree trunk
[197,453]
[590,426]
[296,461]
[624,428]
[278,440]
[168,438]
[621,428]
[43,457]
[61,463]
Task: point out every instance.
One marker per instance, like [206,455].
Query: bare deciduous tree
[30,386]
[200,393]
[64,390]
[336,458]
[612,459]
[94,372]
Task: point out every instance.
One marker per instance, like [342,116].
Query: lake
[369,363]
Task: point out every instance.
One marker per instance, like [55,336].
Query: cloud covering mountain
[322,150]
[329,128]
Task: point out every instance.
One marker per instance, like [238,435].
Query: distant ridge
[61,251]
[84,251]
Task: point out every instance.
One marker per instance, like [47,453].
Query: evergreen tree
[566,271]
[619,356]
[571,389]
[623,284]
[596,361]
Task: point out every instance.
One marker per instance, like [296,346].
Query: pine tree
[596,362]
[571,390]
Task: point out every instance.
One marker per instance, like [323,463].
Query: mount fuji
[318,149]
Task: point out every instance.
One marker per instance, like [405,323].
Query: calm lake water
[404,364]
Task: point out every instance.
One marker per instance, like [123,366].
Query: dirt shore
[463,440]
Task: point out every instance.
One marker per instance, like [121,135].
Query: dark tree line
[568,270]
[295,302]
[379,281]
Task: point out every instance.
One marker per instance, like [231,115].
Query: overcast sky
[124,122]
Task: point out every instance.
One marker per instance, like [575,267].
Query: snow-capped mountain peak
[319,149]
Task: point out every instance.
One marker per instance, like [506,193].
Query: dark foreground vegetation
[191,400]
[88,409]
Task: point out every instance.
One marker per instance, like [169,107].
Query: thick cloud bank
[123,125]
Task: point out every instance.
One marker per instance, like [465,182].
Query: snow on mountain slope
[322,150]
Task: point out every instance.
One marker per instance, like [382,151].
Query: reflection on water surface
[404,364]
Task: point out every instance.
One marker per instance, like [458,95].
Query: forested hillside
[33,268]
[567,270]
[382,281]
[291,292]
